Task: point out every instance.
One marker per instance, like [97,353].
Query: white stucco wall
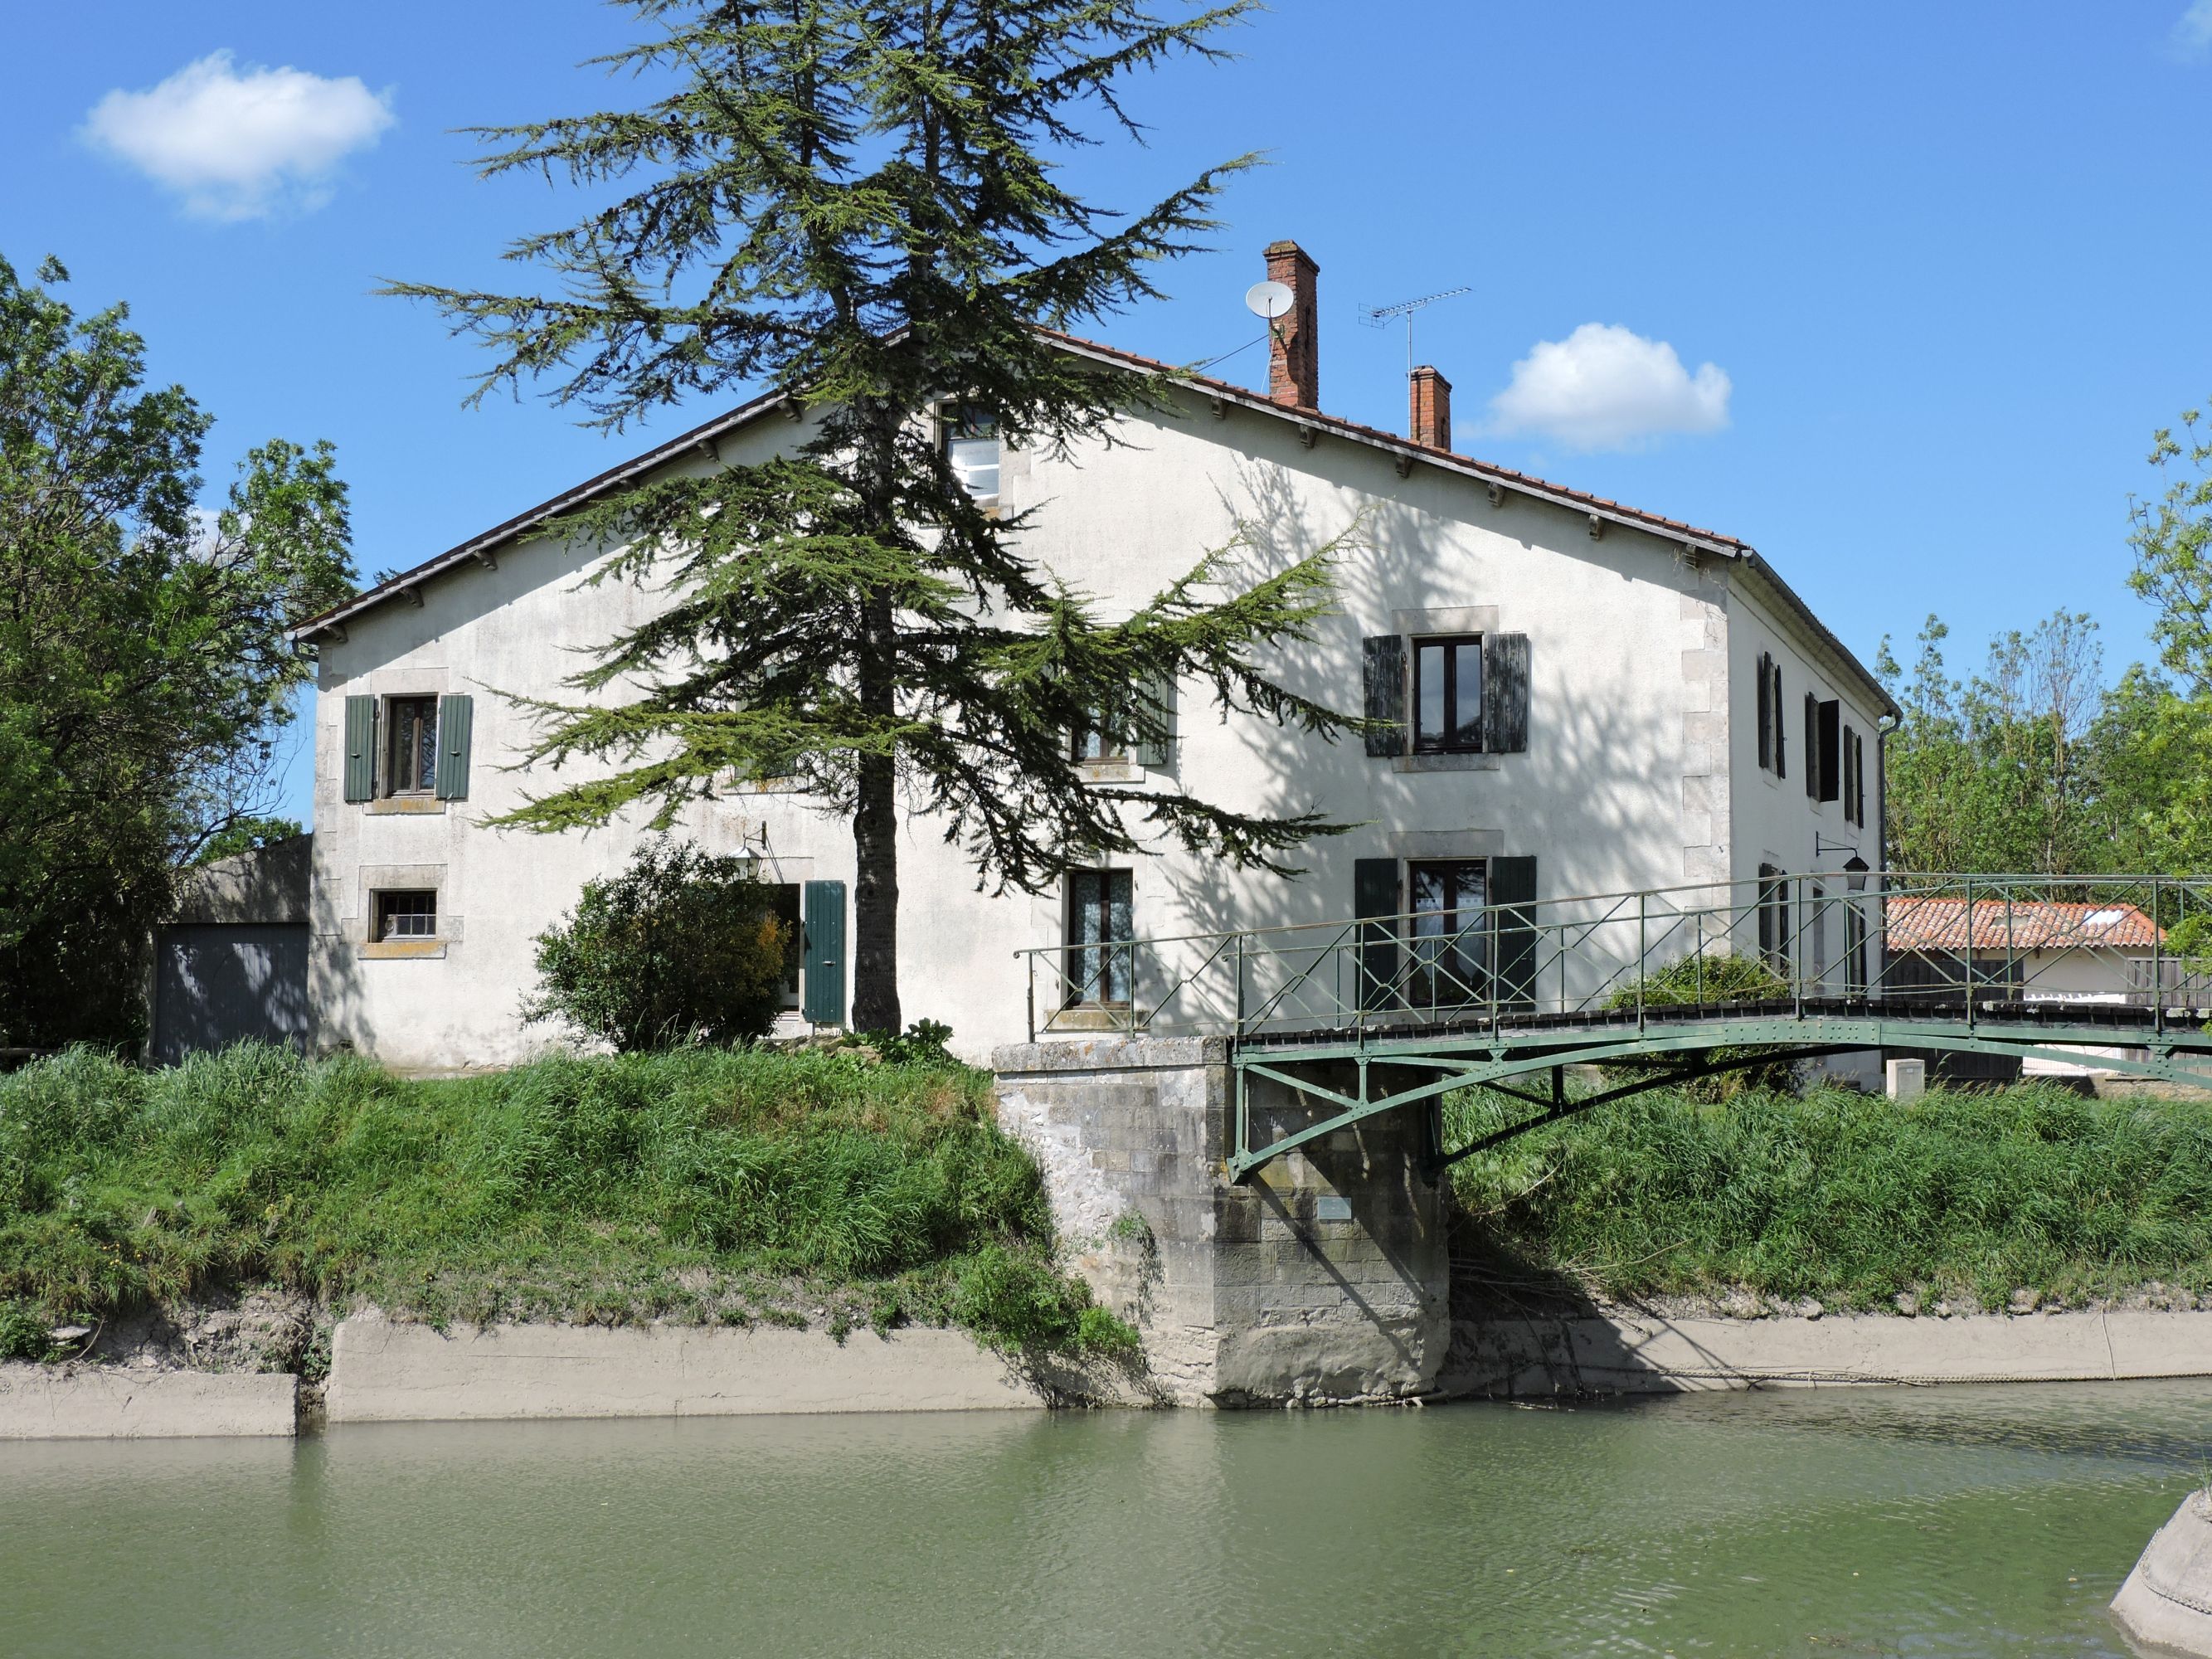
[1638,772]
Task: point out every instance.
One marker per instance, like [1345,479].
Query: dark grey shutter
[1383,682]
[1859,746]
[456,717]
[1375,893]
[821,954]
[1812,747]
[1159,697]
[360,747]
[1829,725]
[1513,884]
[1506,693]
[1766,713]
[1850,775]
[1781,767]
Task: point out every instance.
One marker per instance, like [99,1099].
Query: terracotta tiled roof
[1918,922]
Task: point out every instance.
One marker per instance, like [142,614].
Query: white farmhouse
[1592,698]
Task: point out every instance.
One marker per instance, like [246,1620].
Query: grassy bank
[716,1185]
[1853,1200]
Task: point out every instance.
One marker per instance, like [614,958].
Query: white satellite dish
[1268,300]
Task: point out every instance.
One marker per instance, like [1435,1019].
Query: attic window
[971,449]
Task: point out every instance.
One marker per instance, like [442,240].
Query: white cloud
[1607,387]
[238,145]
[2192,31]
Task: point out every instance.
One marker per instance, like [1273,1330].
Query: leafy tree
[2003,771]
[857,204]
[245,835]
[144,669]
[2172,543]
[681,946]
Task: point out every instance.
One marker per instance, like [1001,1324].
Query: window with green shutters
[822,953]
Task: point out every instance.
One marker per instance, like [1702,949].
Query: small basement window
[971,448]
[405,915]
[410,762]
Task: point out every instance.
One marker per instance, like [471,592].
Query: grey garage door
[216,985]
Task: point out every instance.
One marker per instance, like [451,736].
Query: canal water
[1993,1520]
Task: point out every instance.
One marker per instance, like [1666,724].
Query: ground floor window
[1101,969]
[404,914]
[785,904]
[1450,944]
[1774,919]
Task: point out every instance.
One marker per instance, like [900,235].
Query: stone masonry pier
[1321,1281]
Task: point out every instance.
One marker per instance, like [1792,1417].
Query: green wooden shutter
[821,966]
[1506,693]
[1375,893]
[1513,882]
[1159,697]
[1383,682]
[456,715]
[360,747]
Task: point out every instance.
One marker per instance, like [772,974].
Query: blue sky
[1947,263]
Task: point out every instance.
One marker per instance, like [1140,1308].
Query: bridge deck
[2181,1026]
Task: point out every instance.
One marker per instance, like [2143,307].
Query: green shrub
[680,947]
[1705,980]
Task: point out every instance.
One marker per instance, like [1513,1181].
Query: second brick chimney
[1294,342]
[1430,422]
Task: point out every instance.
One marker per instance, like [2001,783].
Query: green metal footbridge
[1391,1013]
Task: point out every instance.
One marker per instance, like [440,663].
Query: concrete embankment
[114,1402]
[2166,1603]
[1630,1352]
[385,1371]
[390,1371]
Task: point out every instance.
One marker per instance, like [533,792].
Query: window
[1774,919]
[1771,744]
[1825,753]
[410,758]
[1101,970]
[1451,945]
[786,907]
[1096,741]
[1447,696]
[405,915]
[971,449]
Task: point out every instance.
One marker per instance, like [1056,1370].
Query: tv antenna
[1383,316]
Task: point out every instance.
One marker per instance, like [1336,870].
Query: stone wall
[1323,1279]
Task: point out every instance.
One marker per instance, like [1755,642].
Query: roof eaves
[1521,483]
[479,548]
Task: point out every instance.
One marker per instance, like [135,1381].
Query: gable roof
[479,548]
[1925,922]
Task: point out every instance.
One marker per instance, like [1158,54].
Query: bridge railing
[1952,940]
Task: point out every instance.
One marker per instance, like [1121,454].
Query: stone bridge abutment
[1324,1279]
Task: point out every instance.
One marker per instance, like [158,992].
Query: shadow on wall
[1597,785]
[232,963]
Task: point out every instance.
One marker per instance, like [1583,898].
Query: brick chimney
[1430,422]
[1294,348]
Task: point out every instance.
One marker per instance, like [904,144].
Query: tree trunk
[875,899]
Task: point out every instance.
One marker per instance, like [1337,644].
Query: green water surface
[1985,1520]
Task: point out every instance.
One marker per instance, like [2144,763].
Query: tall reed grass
[1856,1199]
[698,1183]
